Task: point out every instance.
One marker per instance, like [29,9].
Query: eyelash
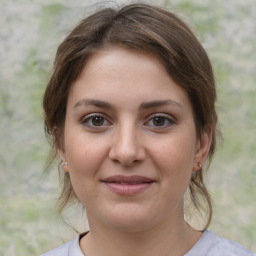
[166,118]
[88,121]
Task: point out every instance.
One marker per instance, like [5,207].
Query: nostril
[127,149]
[125,159]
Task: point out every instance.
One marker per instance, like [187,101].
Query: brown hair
[144,28]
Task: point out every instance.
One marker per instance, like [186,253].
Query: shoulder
[69,249]
[224,247]
[59,251]
[211,245]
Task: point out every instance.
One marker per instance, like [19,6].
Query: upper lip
[134,179]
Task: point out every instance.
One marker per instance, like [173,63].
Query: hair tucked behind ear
[146,29]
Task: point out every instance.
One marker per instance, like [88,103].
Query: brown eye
[97,121]
[159,121]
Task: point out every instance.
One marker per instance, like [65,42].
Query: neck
[166,239]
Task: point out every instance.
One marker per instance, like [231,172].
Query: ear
[59,144]
[202,148]
[61,154]
[64,164]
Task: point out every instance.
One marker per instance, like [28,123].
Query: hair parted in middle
[147,29]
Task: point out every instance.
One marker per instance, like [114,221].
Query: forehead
[122,60]
[118,72]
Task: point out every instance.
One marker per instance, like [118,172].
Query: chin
[130,219]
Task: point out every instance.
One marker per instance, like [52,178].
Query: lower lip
[128,189]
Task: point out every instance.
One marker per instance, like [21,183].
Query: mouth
[128,185]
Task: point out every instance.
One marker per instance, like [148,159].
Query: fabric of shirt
[208,245]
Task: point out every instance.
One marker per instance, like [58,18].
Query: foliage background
[29,35]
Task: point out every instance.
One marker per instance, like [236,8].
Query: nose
[127,148]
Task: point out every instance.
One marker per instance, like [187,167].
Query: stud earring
[64,166]
[199,165]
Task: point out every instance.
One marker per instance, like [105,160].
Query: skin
[128,137]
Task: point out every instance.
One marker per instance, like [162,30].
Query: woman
[130,108]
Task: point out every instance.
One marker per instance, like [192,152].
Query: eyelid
[172,120]
[161,115]
[87,117]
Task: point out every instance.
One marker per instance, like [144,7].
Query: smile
[128,185]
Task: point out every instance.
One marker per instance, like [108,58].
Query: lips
[128,179]
[128,185]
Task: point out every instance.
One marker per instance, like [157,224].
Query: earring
[199,165]
[64,166]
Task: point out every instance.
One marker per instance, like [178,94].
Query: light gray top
[208,245]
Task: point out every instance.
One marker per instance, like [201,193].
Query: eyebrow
[97,103]
[144,105]
[159,103]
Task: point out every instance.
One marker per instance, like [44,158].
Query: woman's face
[130,141]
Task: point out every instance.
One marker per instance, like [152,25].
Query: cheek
[176,150]
[84,155]
[84,160]
[174,157]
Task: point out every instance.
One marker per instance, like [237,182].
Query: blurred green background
[29,35]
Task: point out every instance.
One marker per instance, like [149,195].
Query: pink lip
[128,185]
